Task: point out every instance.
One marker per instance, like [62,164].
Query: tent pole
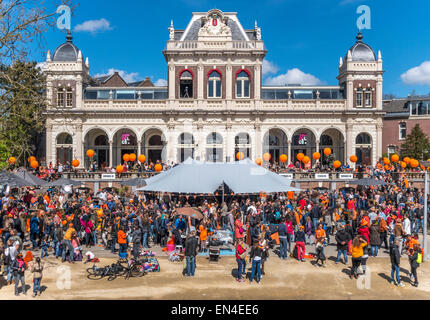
[222,193]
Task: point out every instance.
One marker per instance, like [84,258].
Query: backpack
[419,258]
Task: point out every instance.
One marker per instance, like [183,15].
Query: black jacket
[256,251]
[395,255]
[342,236]
[300,236]
[316,212]
[191,246]
[413,260]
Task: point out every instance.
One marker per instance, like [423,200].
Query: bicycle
[136,268]
[112,272]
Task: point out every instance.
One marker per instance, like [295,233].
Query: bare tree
[23,22]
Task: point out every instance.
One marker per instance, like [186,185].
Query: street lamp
[426,165]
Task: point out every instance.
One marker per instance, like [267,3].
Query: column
[79,91]
[229,81]
[172,82]
[200,78]
[379,93]
[258,145]
[110,153]
[257,80]
[139,147]
[378,153]
[49,142]
[289,152]
[79,146]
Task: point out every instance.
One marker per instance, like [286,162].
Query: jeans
[315,222]
[420,222]
[289,236]
[87,239]
[145,240]
[58,248]
[44,252]
[374,251]
[122,247]
[345,255]
[256,264]
[284,248]
[6,236]
[356,262]
[7,270]
[17,279]
[241,267]
[328,232]
[113,244]
[68,244]
[397,270]
[36,285]
[94,235]
[191,265]
[33,238]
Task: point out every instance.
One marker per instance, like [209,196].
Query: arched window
[185,146]
[155,140]
[214,147]
[242,143]
[101,140]
[242,85]
[326,140]
[214,85]
[64,148]
[186,85]
[363,149]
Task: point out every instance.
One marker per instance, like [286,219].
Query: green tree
[416,145]
[22,105]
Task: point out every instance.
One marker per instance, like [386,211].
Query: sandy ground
[288,279]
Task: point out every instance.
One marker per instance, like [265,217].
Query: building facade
[401,116]
[214,104]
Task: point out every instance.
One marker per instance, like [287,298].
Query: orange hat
[302,227]
[70,225]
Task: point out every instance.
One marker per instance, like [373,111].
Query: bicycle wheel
[96,274]
[137,270]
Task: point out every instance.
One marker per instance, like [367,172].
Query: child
[320,253]
[37,270]
[45,246]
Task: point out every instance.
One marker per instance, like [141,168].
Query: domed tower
[66,75]
[360,75]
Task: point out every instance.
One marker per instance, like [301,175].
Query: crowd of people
[359,221]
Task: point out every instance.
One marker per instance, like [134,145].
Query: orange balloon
[316,155]
[267,156]
[395,158]
[142,158]
[387,167]
[12,160]
[119,168]
[300,156]
[64,222]
[259,161]
[306,160]
[337,164]
[126,157]
[283,158]
[327,151]
[90,153]
[240,156]
[414,163]
[406,160]
[75,163]
[132,157]
[31,159]
[353,158]
[158,167]
[34,164]
[386,161]
[403,164]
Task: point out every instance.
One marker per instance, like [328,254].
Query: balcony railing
[211,45]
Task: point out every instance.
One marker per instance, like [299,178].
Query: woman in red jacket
[241,259]
[363,230]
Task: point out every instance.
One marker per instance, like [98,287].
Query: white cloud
[160,83]
[269,67]
[293,76]
[418,75]
[93,26]
[128,77]
[41,66]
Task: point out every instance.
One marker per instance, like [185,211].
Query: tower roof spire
[69,37]
[359,36]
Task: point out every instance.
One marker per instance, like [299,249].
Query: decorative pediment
[215,27]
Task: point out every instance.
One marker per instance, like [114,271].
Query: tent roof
[194,176]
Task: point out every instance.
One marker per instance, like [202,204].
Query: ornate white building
[214,104]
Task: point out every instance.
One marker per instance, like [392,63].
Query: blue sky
[304,38]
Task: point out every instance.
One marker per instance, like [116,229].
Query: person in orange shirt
[203,237]
[122,241]
[320,233]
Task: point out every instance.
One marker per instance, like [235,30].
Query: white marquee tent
[194,176]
